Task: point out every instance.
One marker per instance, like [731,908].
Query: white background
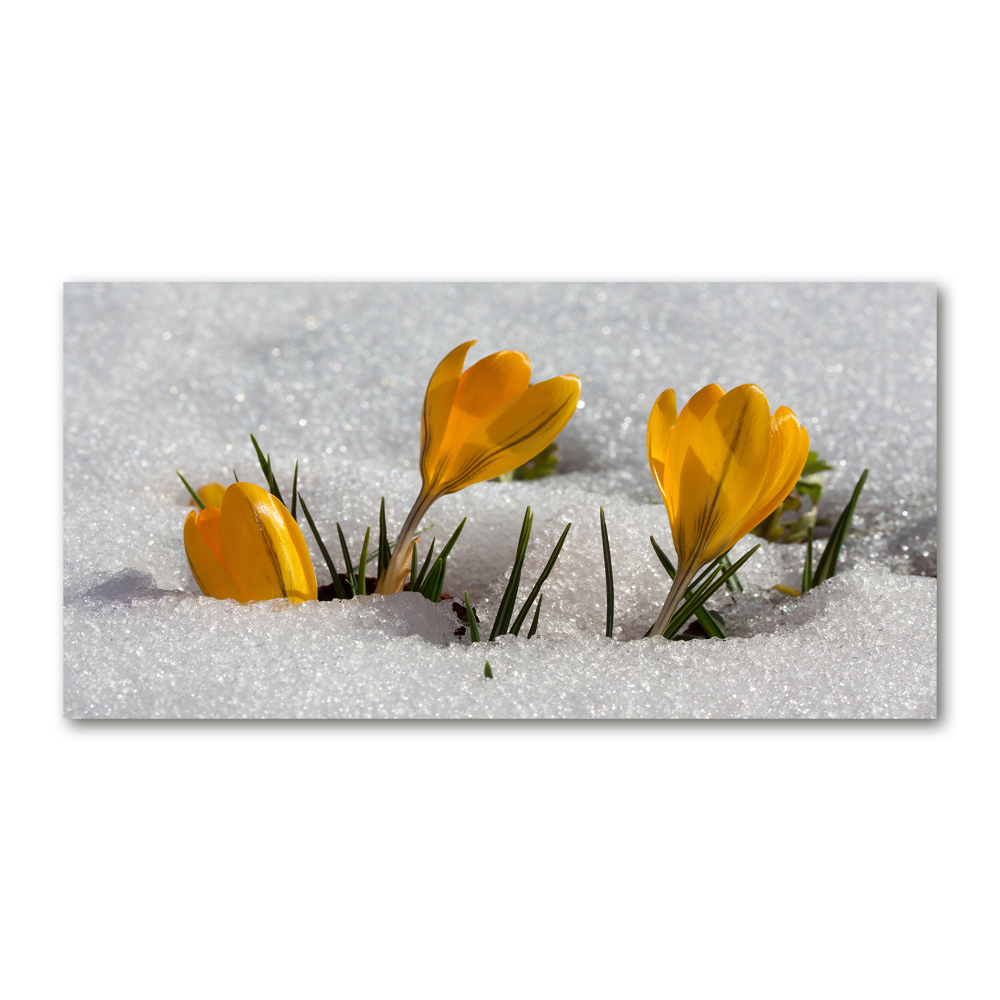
[454,140]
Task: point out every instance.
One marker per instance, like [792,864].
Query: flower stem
[685,574]
[394,577]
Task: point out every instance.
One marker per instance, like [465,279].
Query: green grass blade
[708,622]
[383,541]
[471,615]
[423,569]
[413,567]
[351,578]
[827,565]
[488,670]
[534,621]
[439,581]
[733,582]
[362,583]
[807,569]
[197,499]
[706,590]
[272,481]
[519,620]
[236,478]
[260,458]
[338,587]
[502,620]
[446,551]
[295,489]
[609,579]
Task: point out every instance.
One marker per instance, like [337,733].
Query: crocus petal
[210,495]
[513,433]
[203,546]
[262,547]
[789,451]
[721,473]
[483,388]
[438,401]
[689,419]
[661,422]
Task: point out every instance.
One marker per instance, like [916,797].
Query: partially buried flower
[249,548]
[476,425]
[721,466]
[210,495]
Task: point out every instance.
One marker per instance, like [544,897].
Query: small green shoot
[352,577]
[488,670]
[362,563]
[519,620]
[502,621]
[197,499]
[383,541]
[295,489]
[534,621]
[807,569]
[609,578]
[338,586]
[827,565]
[470,614]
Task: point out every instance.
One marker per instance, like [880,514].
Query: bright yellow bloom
[721,466]
[476,425]
[249,549]
[210,495]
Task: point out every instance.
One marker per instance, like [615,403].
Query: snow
[165,377]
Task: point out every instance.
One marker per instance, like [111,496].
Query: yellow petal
[721,473]
[662,418]
[483,388]
[789,450]
[438,401]
[513,433]
[687,422]
[203,546]
[210,495]
[262,547]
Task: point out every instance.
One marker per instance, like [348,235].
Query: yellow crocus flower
[476,425]
[249,548]
[722,466]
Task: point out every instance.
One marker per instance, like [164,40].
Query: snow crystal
[164,377]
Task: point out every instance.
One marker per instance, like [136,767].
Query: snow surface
[164,377]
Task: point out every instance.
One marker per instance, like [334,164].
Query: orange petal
[438,402]
[263,548]
[662,418]
[721,473]
[203,546]
[513,433]
[483,388]
[210,495]
[789,450]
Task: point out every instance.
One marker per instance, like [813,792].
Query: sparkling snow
[164,377]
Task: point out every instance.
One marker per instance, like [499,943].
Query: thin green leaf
[706,590]
[439,580]
[351,577]
[295,489]
[272,481]
[534,621]
[827,565]
[423,569]
[235,477]
[807,569]
[488,670]
[733,583]
[413,566]
[609,579]
[707,619]
[338,587]
[197,499]
[383,541]
[362,583]
[519,621]
[432,586]
[260,458]
[506,608]
[471,615]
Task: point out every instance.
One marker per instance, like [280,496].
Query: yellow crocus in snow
[475,425]
[249,548]
[722,466]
